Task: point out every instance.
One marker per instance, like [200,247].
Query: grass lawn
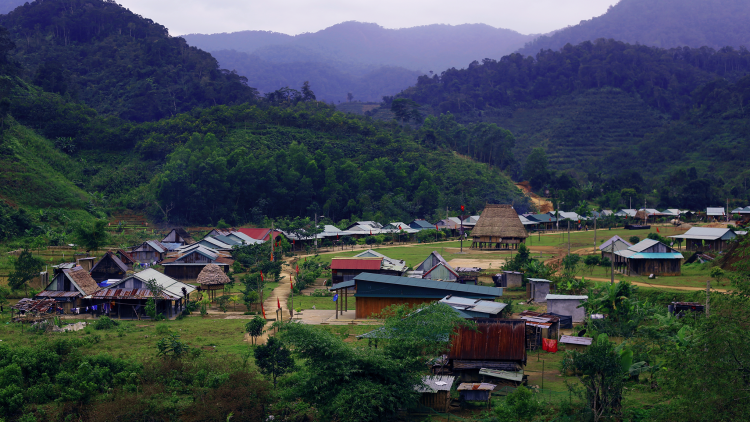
[585,239]
[693,275]
[307,302]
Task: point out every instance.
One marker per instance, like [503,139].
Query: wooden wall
[366,306]
[183,272]
[662,267]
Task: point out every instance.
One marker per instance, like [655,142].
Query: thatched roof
[499,221]
[212,274]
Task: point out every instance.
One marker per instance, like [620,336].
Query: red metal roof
[356,263]
[260,234]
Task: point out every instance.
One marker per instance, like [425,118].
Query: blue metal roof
[464,289]
[656,256]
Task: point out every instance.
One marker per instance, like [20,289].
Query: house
[364,229]
[450,223]
[545,221]
[215,244]
[528,223]
[421,225]
[651,257]
[470,222]
[741,210]
[242,239]
[126,258]
[626,213]
[190,261]
[715,213]
[374,292]
[127,297]
[492,344]
[108,268]
[538,289]
[567,305]
[568,215]
[259,234]
[474,308]
[508,279]
[615,243]
[435,267]
[68,288]
[178,235]
[345,269]
[540,326]
[149,251]
[398,228]
[498,228]
[707,239]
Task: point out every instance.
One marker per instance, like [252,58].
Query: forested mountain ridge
[115,61]
[660,23]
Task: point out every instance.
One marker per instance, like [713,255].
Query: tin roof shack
[704,239]
[537,289]
[374,292]
[715,214]
[538,327]
[653,257]
[149,251]
[435,267]
[474,308]
[189,262]
[498,228]
[127,297]
[435,393]
[567,305]
[576,343]
[68,288]
[476,392]
[468,275]
[178,235]
[508,279]
[496,344]
[109,267]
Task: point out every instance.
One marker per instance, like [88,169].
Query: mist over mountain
[362,58]
[660,23]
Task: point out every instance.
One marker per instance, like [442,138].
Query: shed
[374,292]
[498,228]
[109,267]
[495,344]
[476,391]
[436,392]
[576,343]
[508,279]
[212,278]
[538,289]
[567,305]
[178,235]
[468,275]
[540,326]
[149,251]
[433,259]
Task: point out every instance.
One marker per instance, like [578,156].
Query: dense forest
[660,23]
[117,62]
[333,81]
[281,155]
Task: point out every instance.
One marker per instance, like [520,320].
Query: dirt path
[660,286]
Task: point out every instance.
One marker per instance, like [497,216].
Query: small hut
[212,278]
[498,228]
[435,393]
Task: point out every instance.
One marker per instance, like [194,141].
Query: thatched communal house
[498,228]
[212,278]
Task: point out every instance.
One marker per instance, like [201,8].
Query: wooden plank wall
[366,306]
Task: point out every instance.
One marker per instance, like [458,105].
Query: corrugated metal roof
[612,240]
[433,384]
[34,305]
[369,264]
[406,281]
[476,386]
[656,256]
[643,245]
[158,247]
[422,224]
[585,341]
[567,297]
[706,233]
[388,263]
[493,339]
[474,305]
[55,293]
[540,280]
[168,284]
[216,243]
[127,294]
[443,264]
[506,375]
[715,211]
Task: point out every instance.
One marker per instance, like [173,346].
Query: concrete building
[538,289]
[567,305]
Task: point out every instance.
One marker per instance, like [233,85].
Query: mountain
[661,23]
[115,61]
[424,48]
[364,59]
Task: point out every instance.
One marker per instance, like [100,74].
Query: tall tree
[25,269]
[92,236]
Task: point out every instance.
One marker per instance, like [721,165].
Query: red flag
[370,232]
[264,311]
[278,303]
[399,226]
[297,268]
[261,276]
[436,227]
[462,208]
[337,236]
[657,230]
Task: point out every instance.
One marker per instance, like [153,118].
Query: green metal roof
[426,284]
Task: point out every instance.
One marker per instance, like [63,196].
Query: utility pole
[568,236]
[594,234]
[708,295]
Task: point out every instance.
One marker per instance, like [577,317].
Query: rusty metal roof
[476,386]
[127,294]
[495,339]
[54,293]
[34,305]
[584,341]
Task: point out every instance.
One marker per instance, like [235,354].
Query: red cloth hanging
[549,345]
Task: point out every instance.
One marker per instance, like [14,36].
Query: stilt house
[498,228]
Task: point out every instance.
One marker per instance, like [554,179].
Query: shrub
[163,329]
[105,323]
[634,239]
[321,293]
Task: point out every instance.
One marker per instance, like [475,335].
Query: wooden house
[126,258]
[149,251]
[540,326]
[374,292]
[706,239]
[435,267]
[189,262]
[127,298]
[652,257]
[498,228]
[545,221]
[615,243]
[69,287]
[108,268]
[421,225]
[435,392]
[492,344]
[178,235]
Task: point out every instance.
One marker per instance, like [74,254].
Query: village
[524,282]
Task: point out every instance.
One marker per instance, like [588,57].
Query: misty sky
[298,16]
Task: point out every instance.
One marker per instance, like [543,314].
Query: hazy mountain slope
[660,23]
[425,48]
[330,81]
[115,61]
